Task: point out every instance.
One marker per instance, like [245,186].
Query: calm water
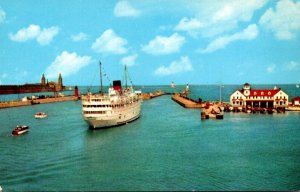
[168,148]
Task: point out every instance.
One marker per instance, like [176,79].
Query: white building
[266,98]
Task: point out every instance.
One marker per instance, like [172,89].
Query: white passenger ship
[117,107]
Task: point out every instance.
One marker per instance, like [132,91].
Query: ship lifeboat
[20,129]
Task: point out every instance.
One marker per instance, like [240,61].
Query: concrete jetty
[186,102]
[36,101]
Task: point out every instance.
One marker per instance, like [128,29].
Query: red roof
[296,99]
[269,93]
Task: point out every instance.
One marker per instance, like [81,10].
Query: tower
[43,80]
[60,83]
[246,89]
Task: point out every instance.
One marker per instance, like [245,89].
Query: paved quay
[36,101]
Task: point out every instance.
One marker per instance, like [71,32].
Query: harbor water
[168,148]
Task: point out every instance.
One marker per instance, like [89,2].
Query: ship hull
[102,124]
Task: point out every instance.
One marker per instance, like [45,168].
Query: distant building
[43,86]
[296,101]
[265,98]
[57,86]
[43,80]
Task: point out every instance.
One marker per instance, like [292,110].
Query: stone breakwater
[36,101]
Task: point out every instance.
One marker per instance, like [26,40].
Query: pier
[186,102]
[147,96]
[9,104]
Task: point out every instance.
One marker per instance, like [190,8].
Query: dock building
[265,98]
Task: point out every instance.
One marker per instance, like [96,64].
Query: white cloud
[189,25]
[26,34]
[43,37]
[2,15]
[46,35]
[186,24]
[110,42]
[67,64]
[164,45]
[124,9]
[218,17]
[292,66]
[284,21]
[271,68]
[183,65]
[247,34]
[79,37]
[129,60]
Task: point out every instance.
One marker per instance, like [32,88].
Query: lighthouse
[76,91]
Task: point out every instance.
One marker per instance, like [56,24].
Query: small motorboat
[20,129]
[40,115]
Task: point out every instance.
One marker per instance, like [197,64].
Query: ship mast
[125,76]
[101,91]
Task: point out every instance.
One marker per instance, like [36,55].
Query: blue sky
[195,42]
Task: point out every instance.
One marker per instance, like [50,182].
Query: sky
[160,41]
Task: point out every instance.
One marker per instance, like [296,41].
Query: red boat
[20,129]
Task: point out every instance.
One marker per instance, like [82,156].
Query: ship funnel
[117,85]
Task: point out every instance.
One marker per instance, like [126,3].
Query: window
[94,112]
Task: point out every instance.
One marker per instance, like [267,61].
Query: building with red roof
[265,98]
[296,101]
